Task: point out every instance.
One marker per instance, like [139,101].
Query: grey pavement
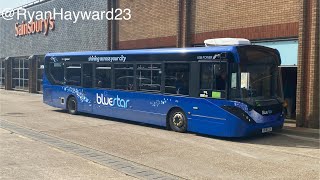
[24,158]
[280,155]
[291,129]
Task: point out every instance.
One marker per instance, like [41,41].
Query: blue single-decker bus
[228,91]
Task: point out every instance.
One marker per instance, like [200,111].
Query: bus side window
[87,75]
[73,74]
[56,72]
[103,76]
[124,76]
[177,78]
[148,77]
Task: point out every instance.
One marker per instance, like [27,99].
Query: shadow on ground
[268,139]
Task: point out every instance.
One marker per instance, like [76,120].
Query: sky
[12,3]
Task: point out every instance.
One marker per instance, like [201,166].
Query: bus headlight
[241,114]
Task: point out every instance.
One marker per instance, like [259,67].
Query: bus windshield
[258,76]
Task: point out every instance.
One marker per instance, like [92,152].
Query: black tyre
[72,106]
[178,121]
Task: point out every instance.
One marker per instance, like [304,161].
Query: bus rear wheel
[178,121]
[72,106]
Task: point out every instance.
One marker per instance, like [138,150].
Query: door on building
[289,80]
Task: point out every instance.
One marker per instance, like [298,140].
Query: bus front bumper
[260,128]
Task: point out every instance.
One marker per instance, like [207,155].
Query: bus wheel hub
[178,120]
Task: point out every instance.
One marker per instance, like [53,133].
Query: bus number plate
[264,130]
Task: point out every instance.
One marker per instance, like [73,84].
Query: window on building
[103,76]
[124,76]
[148,77]
[177,78]
[20,74]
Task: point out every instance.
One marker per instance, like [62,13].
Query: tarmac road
[41,142]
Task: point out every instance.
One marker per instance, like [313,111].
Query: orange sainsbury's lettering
[52,24]
[16,28]
[33,27]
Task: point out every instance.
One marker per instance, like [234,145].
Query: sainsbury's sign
[33,27]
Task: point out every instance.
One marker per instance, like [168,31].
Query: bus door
[213,80]
[213,85]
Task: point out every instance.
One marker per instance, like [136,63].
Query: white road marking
[244,154]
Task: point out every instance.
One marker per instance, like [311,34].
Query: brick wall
[156,23]
[308,65]
[230,14]
[253,19]
[153,24]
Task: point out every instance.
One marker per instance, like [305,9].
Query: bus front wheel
[72,105]
[178,121]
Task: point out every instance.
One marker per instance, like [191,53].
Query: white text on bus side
[111,101]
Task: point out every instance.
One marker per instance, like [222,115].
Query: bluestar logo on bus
[107,101]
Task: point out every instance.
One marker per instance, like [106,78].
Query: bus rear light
[239,113]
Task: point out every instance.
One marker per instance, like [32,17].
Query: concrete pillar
[8,73]
[307,109]
[32,74]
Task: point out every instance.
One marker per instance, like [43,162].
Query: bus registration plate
[268,129]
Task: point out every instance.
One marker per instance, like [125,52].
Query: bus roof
[149,51]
